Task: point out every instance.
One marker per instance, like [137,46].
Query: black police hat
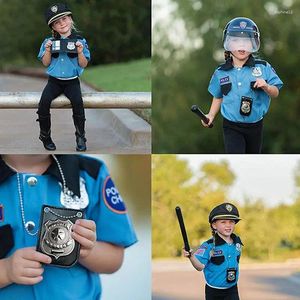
[55,12]
[224,211]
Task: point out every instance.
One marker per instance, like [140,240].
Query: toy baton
[195,109]
[182,228]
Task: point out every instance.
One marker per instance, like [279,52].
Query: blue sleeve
[110,214]
[273,78]
[203,253]
[86,50]
[214,86]
[42,49]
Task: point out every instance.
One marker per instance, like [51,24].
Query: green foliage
[115,30]
[267,233]
[184,65]
[133,76]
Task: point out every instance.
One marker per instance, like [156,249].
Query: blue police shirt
[232,83]
[64,65]
[217,258]
[94,191]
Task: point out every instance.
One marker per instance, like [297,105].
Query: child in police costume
[64,69]
[242,88]
[67,181]
[219,256]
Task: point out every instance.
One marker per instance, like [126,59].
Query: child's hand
[260,83]
[25,266]
[210,117]
[187,253]
[48,45]
[79,47]
[84,232]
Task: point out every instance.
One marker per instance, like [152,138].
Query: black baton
[195,109]
[182,228]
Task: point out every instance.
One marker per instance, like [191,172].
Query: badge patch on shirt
[1,213]
[217,252]
[200,252]
[256,71]
[112,198]
[224,80]
[238,246]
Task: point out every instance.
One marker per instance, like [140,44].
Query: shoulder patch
[112,198]
[200,251]
[260,62]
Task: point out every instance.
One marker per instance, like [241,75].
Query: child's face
[224,227]
[63,25]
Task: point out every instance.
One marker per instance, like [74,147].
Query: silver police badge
[256,71]
[228,207]
[245,107]
[57,240]
[54,8]
[71,45]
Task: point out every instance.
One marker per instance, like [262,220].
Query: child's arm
[82,61]
[214,109]
[195,262]
[99,257]
[46,59]
[271,90]
[23,267]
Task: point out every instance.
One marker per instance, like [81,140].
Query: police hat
[55,12]
[224,211]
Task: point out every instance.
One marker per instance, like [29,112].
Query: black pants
[241,138]
[224,294]
[56,87]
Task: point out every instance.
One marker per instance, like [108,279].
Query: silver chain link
[64,188]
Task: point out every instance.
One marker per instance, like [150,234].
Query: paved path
[108,131]
[179,281]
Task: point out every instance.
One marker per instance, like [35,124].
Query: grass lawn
[134,76]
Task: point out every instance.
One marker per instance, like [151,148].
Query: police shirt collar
[70,167]
[5,170]
[228,64]
[219,241]
[71,36]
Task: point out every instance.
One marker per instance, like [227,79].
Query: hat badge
[243,24]
[54,8]
[228,207]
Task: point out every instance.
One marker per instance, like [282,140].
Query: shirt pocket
[225,88]
[217,260]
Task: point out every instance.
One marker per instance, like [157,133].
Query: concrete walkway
[108,130]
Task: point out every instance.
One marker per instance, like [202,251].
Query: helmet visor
[244,41]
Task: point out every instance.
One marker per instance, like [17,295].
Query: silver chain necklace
[64,189]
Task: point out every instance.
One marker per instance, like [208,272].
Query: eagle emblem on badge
[54,8]
[228,207]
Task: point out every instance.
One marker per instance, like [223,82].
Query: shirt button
[63,72]
[30,226]
[62,59]
[32,181]
[229,256]
[239,83]
[238,69]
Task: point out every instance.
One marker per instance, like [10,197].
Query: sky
[268,177]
